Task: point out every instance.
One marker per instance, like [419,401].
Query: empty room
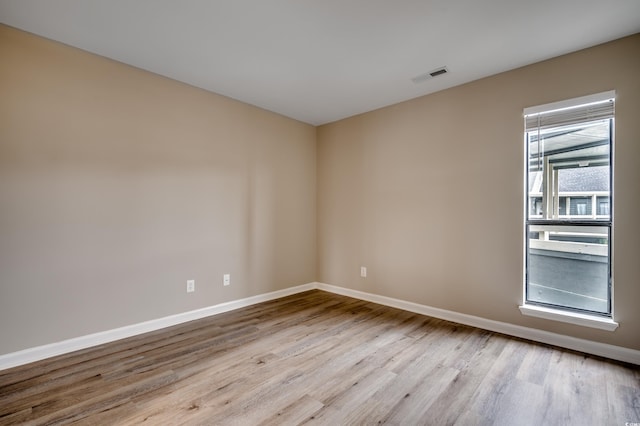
[362,212]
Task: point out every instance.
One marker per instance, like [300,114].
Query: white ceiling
[322,60]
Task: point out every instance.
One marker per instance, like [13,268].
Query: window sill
[569,317]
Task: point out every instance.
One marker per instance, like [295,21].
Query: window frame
[559,312]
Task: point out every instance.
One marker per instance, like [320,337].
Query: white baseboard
[595,348]
[46,351]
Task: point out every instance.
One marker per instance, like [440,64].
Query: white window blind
[599,106]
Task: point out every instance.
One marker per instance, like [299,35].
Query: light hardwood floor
[320,358]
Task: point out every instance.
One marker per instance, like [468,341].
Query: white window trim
[576,318]
[582,319]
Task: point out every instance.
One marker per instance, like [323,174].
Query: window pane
[603,206]
[569,171]
[536,206]
[569,204]
[563,206]
[568,266]
[580,206]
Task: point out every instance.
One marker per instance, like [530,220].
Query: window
[569,204]
[603,206]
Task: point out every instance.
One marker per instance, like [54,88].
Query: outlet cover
[191,286]
[363,271]
[226,279]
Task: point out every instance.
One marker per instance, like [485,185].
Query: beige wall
[117,185]
[428,194]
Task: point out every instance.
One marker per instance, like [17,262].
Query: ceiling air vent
[430,74]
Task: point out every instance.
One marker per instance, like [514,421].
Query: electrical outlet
[363,271]
[226,279]
[191,286]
